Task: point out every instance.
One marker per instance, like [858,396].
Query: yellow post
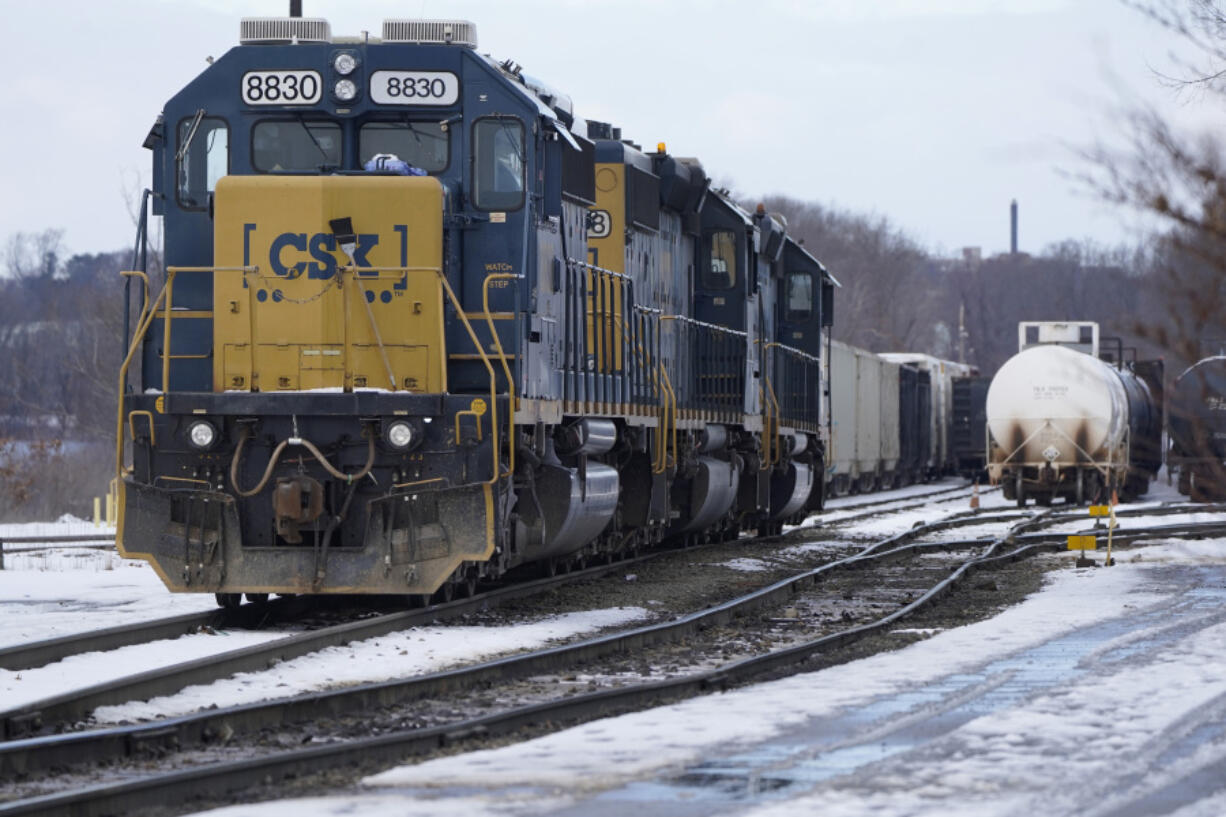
[97,512]
[1110,529]
[110,509]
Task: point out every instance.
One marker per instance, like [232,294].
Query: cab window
[421,144]
[204,157]
[720,271]
[498,163]
[295,145]
[799,303]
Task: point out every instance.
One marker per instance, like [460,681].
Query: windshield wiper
[302,121]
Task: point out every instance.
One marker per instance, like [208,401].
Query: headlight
[344,64]
[202,435]
[399,434]
[345,90]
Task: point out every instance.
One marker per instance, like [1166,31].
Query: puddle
[834,746]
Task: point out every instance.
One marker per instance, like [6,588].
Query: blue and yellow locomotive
[420,324]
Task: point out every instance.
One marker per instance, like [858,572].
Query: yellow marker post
[1110,529]
[97,512]
[1082,542]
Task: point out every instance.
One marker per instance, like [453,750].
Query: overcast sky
[933,113]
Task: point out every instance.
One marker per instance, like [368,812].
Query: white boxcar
[841,468]
[868,418]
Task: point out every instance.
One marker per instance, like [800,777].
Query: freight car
[421,323]
[888,425]
[1064,423]
[969,425]
[941,373]
[1196,426]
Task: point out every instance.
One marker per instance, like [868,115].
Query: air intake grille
[454,32]
[269,30]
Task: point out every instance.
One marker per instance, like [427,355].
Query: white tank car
[1059,421]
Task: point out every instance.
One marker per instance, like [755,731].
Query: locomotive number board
[282,87]
[414,87]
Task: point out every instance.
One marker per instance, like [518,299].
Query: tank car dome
[1056,405]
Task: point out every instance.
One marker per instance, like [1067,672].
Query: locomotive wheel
[229,601]
[1081,487]
[468,588]
[444,594]
[1020,491]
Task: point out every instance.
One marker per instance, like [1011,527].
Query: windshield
[498,163]
[205,158]
[800,296]
[421,144]
[295,145]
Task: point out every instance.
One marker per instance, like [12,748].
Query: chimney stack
[295,8]
[1013,228]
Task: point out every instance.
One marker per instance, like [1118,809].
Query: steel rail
[38,754]
[878,501]
[72,706]
[925,500]
[220,779]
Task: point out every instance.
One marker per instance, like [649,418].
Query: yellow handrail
[145,284]
[667,414]
[506,368]
[141,328]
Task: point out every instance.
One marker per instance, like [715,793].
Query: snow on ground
[610,751]
[1092,737]
[90,590]
[396,655]
[66,525]
[747,565]
[20,687]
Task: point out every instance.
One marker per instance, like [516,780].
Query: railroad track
[36,756]
[32,755]
[41,653]
[54,712]
[921,501]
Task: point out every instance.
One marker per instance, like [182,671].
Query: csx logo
[285,254]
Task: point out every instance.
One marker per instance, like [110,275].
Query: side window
[498,163]
[720,273]
[295,145]
[204,157]
[421,144]
[800,297]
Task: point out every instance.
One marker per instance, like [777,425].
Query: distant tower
[1013,227]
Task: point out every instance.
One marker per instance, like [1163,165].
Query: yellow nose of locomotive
[345,294]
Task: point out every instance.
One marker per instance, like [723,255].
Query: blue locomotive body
[421,324]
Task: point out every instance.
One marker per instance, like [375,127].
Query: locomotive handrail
[704,325]
[144,277]
[502,357]
[670,398]
[773,457]
[142,328]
